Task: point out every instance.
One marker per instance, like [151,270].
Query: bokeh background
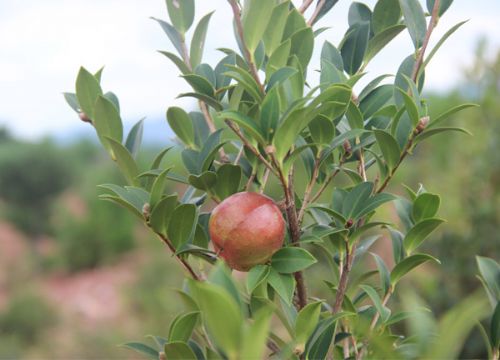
[79,276]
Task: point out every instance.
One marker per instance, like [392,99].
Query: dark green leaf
[495,327]
[443,6]
[198,41]
[490,272]
[181,125]
[359,13]
[322,130]
[161,214]
[331,54]
[125,161]
[228,180]
[376,99]
[409,263]
[375,298]
[389,147]
[204,181]
[354,47]
[200,84]
[411,107]
[385,14]
[158,188]
[380,40]
[415,20]
[284,284]
[327,6]
[210,101]
[356,199]
[182,225]
[288,260]
[385,277]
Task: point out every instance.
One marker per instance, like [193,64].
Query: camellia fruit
[247,229]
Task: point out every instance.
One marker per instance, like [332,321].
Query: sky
[43,44]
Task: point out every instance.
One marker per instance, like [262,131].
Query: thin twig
[344,277]
[316,12]
[305,5]
[307,193]
[250,182]
[186,265]
[264,181]
[246,51]
[238,157]
[328,180]
[249,146]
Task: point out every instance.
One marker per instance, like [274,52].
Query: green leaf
[198,41]
[256,16]
[328,5]
[307,320]
[385,277]
[381,309]
[322,130]
[354,47]
[321,340]
[200,84]
[408,264]
[228,180]
[425,206]
[125,161]
[274,31]
[376,99]
[209,150]
[302,45]
[270,112]
[256,276]
[420,232]
[182,225]
[107,122]
[174,35]
[246,123]
[359,13]
[72,101]
[490,272]
[443,6]
[389,147]
[142,349]
[181,13]
[134,138]
[215,304]
[441,42]
[356,199]
[381,39]
[243,77]
[256,335]
[280,76]
[438,130]
[415,20]
[284,284]
[331,54]
[354,116]
[278,58]
[210,101]
[177,61]
[87,91]
[182,326]
[177,350]
[288,260]
[495,327]
[181,125]
[222,80]
[204,181]
[206,71]
[158,188]
[442,117]
[162,213]
[386,13]
[411,107]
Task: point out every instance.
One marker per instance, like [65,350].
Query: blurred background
[79,276]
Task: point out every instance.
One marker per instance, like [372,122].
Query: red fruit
[247,229]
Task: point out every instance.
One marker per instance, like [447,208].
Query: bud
[422,124]
[270,149]
[349,223]
[146,211]
[84,117]
[347,148]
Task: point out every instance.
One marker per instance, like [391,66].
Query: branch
[420,57]
[246,52]
[307,193]
[316,12]
[305,5]
[328,180]
[249,146]
[181,260]
[344,277]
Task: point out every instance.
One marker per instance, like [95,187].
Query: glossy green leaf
[181,13]
[274,31]
[415,20]
[183,68]
[354,47]
[107,122]
[182,326]
[354,116]
[389,147]
[162,213]
[256,276]
[143,349]
[204,181]
[215,304]
[288,260]
[182,224]
[178,350]
[306,322]
[246,123]
[134,138]
[356,199]
[420,232]
[125,161]
[284,284]
[270,112]
[198,41]
[87,91]
[181,125]
[381,39]
[408,264]
[386,13]
[425,206]
[255,18]
[321,340]
[228,180]
[173,34]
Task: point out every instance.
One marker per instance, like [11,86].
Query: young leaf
[442,117]
[441,42]
[411,107]
[205,181]
[182,225]
[415,20]
[87,92]
[198,41]
[181,125]
[178,350]
[288,260]
[107,121]
[438,130]
[420,232]
[182,326]
[181,14]
[389,147]
[134,138]
[409,263]
[425,206]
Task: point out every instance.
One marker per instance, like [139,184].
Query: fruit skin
[247,229]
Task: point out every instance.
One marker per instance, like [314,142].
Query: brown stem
[316,12]
[249,146]
[305,5]
[307,193]
[327,181]
[344,277]
[181,260]
[420,57]
[264,181]
[247,54]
